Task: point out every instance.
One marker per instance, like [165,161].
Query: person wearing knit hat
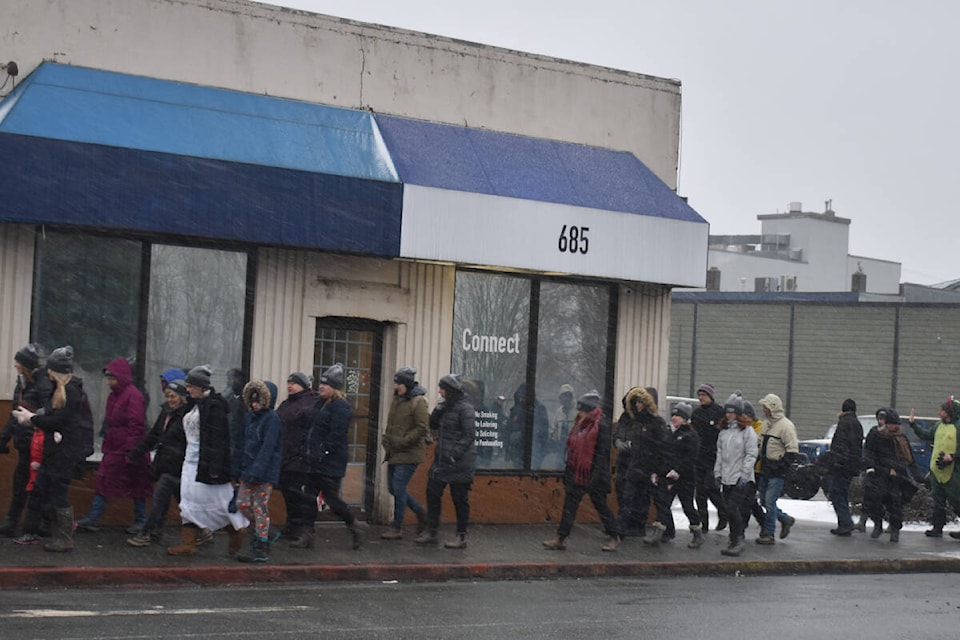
[624,433]
[587,470]
[294,413]
[405,447]
[887,458]
[734,404]
[844,464]
[454,461]
[333,377]
[944,476]
[679,471]
[707,420]
[326,452]
[734,473]
[65,420]
[205,480]
[31,389]
[642,473]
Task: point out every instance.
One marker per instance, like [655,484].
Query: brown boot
[189,545]
[236,540]
[392,534]
[557,544]
[427,537]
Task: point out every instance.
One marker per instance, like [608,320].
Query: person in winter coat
[454,461]
[205,488]
[586,470]
[405,447]
[887,459]
[748,418]
[65,419]
[845,464]
[944,478]
[232,393]
[734,472]
[294,413]
[31,391]
[678,473]
[33,520]
[167,438]
[326,454]
[646,454]
[707,420]
[624,433]
[778,450]
[257,467]
[118,475]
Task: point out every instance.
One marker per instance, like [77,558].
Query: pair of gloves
[741,483]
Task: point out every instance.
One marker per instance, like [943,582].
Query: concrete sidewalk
[495,552]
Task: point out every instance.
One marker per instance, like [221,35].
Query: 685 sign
[573,239]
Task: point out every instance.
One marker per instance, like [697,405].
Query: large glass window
[525,408]
[91,292]
[571,360]
[491,319]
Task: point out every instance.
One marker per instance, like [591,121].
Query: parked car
[815,448]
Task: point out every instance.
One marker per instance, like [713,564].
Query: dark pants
[638,518]
[459,492]
[573,495]
[685,489]
[301,508]
[21,477]
[739,502]
[707,489]
[636,503]
[881,493]
[167,487]
[329,486]
[52,491]
[840,498]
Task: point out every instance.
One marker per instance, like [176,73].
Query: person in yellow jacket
[944,480]
[778,449]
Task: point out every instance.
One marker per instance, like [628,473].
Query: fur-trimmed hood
[641,394]
[265,390]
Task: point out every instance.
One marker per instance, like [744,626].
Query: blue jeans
[166,487]
[840,498]
[99,503]
[398,477]
[770,490]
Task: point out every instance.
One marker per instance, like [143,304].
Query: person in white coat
[733,469]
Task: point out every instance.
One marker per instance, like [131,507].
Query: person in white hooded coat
[733,469]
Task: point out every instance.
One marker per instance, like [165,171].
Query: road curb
[111,577]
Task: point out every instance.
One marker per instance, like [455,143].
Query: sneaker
[785,526]
[27,538]
[86,525]
[766,539]
[140,540]
[133,529]
[392,534]
[613,543]
[843,532]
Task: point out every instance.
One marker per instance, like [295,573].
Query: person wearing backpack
[63,449]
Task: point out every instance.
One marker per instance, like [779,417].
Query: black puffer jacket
[455,456]
[846,444]
[294,415]
[707,421]
[29,394]
[215,450]
[168,439]
[681,452]
[648,445]
[60,459]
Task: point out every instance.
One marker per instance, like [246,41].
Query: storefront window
[571,360]
[523,425]
[491,319]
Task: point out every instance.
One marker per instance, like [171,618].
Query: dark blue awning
[102,149]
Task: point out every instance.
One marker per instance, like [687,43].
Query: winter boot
[235,540]
[698,538]
[460,542]
[63,541]
[303,539]
[259,551]
[555,544]
[735,548]
[721,523]
[655,533]
[421,522]
[393,533]
[357,529]
[934,532]
[861,525]
[188,547]
[895,531]
[427,537]
[877,529]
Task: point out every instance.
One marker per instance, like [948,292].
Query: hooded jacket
[408,423]
[60,459]
[259,459]
[454,457]
[736,454]
[326,451]
[119,475]
[294,413]
[778,436]
[650,435]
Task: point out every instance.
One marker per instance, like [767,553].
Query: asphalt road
[875,607]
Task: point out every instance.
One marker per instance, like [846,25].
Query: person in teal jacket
[944,481]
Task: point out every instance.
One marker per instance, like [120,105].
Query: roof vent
[796,207]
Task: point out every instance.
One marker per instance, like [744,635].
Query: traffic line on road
[158,611]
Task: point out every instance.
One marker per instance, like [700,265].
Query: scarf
[900,444]
[581,444]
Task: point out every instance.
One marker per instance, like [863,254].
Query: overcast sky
[853,101]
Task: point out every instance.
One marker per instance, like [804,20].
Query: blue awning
[103,149]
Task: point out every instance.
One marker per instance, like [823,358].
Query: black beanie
[848,406]
[29,356]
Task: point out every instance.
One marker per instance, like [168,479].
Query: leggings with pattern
[253,501]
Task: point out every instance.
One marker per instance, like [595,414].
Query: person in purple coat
[120,476]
